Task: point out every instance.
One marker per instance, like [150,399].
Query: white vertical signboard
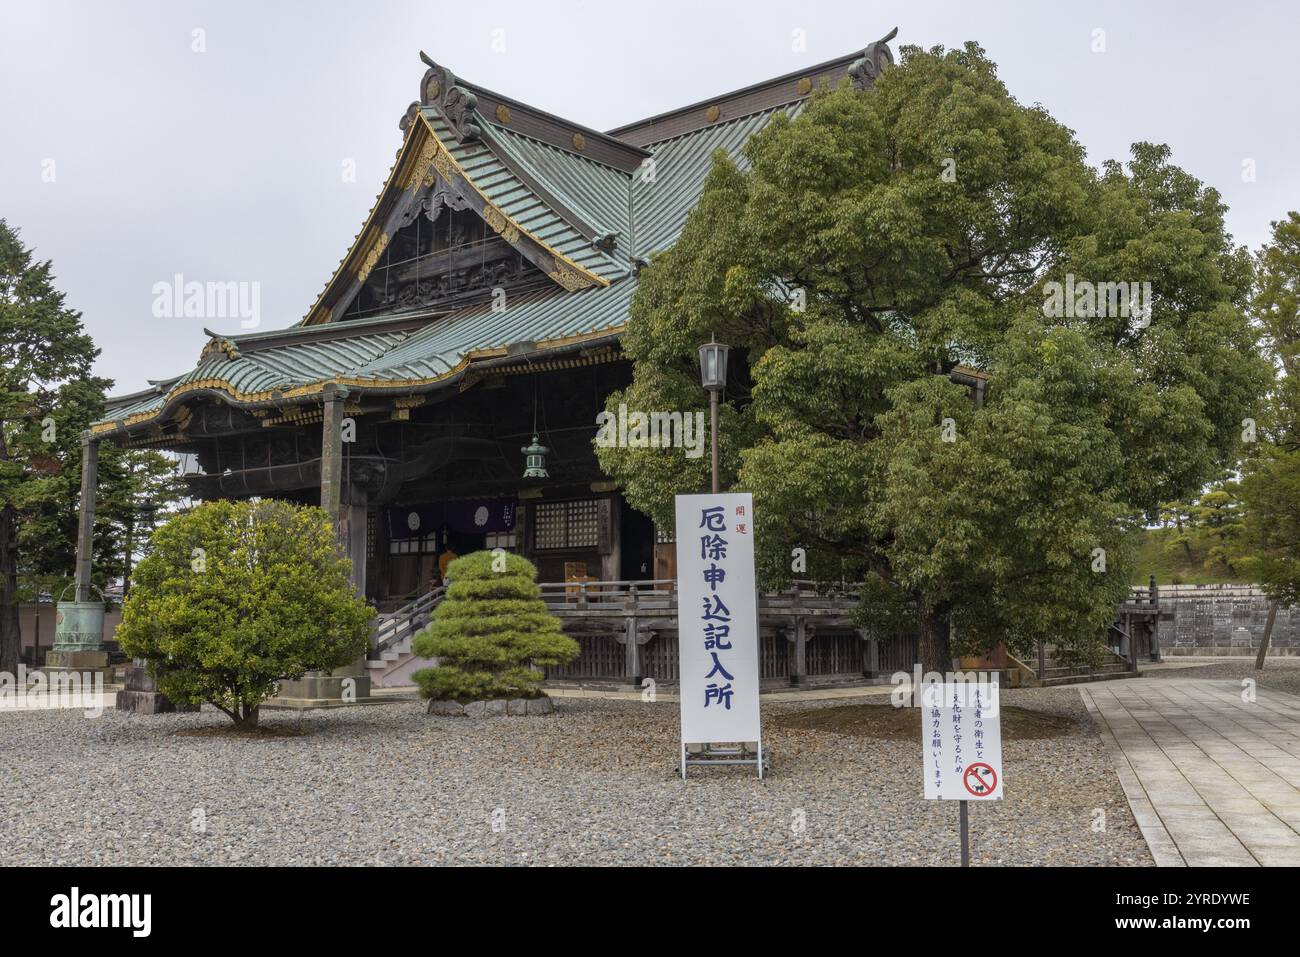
[717,614]
[961,735]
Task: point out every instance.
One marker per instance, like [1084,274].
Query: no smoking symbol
[980,779]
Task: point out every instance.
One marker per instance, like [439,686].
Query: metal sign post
[965,835]
[961,734]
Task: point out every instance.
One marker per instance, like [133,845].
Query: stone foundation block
[494,708]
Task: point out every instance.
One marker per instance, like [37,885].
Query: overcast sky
[127,157]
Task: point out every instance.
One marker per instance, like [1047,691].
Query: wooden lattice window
[428,545]
[573,524]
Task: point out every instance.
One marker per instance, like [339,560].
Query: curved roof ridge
[860,67]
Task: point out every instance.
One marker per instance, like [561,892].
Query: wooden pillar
[611,539]
[86,524]
[1155,620]
[352,535]
[331,453]
[799,664]
[350,682]
[872,655]
[631,652]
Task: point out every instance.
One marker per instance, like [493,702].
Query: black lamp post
[713,376]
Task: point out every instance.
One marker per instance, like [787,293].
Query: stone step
[1094,676]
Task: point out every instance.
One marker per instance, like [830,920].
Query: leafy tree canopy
[866,247]
[47,398]
[1270,486]
[235,597]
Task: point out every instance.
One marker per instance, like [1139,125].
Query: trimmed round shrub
[487,632]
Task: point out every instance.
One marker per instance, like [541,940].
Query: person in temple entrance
[446,558]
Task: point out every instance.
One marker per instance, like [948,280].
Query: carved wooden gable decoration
[436,238]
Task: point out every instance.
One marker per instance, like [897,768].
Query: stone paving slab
[1212,774]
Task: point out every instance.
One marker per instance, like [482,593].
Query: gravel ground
[1279,674]
[593,784]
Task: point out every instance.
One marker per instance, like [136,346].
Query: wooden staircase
[390,660]
[1055,672]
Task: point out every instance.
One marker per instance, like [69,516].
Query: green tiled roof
[597,193]
[537,317]
[514,198]
[562,198]
[662,204]
[127,405]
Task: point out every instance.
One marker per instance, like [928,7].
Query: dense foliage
[235,597]
[873,243]
[47,398]
[1196,542]
[1270,485]
[487,632]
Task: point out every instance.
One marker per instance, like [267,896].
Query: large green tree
[1270,485]
[47,398]
[864,249]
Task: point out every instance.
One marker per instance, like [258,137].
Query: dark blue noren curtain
[471,516]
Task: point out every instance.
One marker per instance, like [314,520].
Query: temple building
[476,315]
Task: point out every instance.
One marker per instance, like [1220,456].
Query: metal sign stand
[965,834]
[712,755]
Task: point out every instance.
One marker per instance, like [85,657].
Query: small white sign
[717,615]
[961,741]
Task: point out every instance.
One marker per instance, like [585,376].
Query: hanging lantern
[535,460]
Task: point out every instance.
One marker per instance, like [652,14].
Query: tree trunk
[10,639]
[1268,635]
[126,564]
[247,716]
[932,646]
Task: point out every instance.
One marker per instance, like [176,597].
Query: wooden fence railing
[628,631]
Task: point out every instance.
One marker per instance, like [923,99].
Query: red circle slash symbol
[980,779]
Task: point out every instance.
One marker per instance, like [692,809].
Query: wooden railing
[660,595]
[616,596]
[805,629]
[391,627]
[629,628]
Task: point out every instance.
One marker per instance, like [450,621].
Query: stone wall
[1222,620]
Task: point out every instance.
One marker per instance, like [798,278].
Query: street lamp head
[713,366]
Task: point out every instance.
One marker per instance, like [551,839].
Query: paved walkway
[1212,779]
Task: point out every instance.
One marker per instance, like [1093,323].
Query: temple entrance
[638,544]
[423,539]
